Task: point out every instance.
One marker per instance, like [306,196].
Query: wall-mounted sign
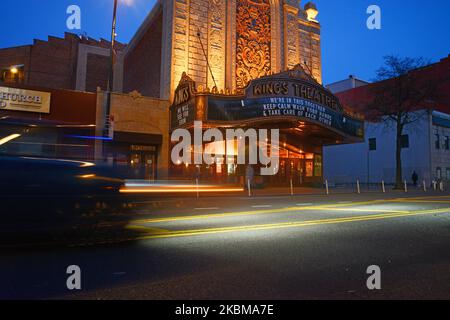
[143,148]
[182,110]
[24,100]
[182,114]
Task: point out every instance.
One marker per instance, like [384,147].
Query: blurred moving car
[56,198]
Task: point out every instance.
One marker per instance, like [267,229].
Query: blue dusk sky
[409,28]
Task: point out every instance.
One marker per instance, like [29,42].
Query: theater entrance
[303,169]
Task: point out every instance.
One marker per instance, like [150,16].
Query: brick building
[61,123]
[73,62]
[73,72]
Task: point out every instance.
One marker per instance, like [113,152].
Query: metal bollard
[249,185]
[196,183]
[292,188]
[424,186]
[406,186]
[326,186]
[358,187]
[383,187]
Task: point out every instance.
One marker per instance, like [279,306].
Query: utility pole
[368,168]
[106,132]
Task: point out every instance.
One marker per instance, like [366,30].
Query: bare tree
[401,96]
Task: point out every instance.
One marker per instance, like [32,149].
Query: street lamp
[15,73]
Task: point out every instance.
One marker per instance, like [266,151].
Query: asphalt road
[302,247]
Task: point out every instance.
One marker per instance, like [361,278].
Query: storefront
[137,151]
[307,115]
[65,124]
[47,123]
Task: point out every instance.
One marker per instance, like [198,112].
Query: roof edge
[157,8]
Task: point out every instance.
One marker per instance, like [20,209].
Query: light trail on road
[351,207]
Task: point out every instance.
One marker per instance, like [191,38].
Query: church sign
[24,100]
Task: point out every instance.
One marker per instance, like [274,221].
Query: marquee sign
[295,83]
[24,100]
[292,94]
[299,108]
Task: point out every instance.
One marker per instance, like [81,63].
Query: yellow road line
[424,197]
[147,229]
[359,210]
[421,201]
[255,212]
[283,225]
[330,207]
[214,215]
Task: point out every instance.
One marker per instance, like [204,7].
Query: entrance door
[296,170]
[144,165]
[150,166]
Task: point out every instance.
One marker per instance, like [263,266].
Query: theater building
[220,44]
[242,64]
[307,115]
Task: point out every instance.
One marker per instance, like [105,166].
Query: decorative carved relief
[217,34]
[291,40]
[253,48]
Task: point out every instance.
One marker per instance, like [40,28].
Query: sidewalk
[298,191]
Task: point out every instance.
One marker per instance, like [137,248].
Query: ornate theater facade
[242,64]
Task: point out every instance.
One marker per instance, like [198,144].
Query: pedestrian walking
[415,178]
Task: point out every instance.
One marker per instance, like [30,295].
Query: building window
[309,168]
[447,143]
[438,173]
[448,174]
[437,143]
[372,144]
[318,165]
[404,141]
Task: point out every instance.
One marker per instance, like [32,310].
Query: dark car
[57,199]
